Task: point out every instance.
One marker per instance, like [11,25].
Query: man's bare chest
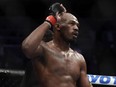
[62,63]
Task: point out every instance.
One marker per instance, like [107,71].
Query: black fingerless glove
[56,7]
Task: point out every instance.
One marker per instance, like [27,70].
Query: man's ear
[57,26]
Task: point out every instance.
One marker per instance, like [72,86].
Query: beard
[73,41]
[69,39]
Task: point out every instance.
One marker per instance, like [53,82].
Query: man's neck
[61,44]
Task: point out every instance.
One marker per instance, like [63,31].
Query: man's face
[69,27]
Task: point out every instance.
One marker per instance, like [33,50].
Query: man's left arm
[83,79]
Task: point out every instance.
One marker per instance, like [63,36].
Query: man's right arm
[31,44]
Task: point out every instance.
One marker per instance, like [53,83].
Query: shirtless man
[54,62]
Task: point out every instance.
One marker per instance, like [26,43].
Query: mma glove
[54,9]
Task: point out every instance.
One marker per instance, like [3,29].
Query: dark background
[96,41]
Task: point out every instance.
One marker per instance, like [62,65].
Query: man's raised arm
[31,45]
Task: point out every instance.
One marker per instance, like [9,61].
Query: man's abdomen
[58,81]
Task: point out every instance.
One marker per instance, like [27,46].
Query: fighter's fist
[57,8]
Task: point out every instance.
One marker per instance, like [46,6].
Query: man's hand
[56,10]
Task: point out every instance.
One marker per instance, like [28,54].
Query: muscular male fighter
[55,63]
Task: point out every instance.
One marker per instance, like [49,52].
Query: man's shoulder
[78,53]
[79,56]
[81,59]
